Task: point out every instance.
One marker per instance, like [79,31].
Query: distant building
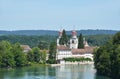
[26,48]
[71,50]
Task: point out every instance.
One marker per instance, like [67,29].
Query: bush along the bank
[71,59]
[52,53]
[107,58]
[12,55]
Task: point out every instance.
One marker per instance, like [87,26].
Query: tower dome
[60,33]
[74,40]
[74,33]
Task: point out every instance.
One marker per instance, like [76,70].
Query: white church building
[72,50]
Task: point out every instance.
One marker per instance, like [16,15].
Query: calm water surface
[47,72]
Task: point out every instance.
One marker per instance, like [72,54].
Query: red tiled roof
[62,47]
[82,51]
[26,47]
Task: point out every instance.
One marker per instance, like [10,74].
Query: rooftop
[62,47]
[82,51]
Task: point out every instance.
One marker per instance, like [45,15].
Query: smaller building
[26,48]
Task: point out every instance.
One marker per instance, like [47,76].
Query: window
[72,41]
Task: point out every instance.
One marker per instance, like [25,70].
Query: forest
[107,58]
[44,41]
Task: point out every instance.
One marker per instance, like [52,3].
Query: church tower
[74,40]
[85,43]
[58,39]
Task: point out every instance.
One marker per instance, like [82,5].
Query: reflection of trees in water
[2,74]
[12,73]
[36,71]
[52,71]
[100,77]
[46,72]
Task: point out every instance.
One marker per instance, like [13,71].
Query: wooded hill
[52,32]
[44,41]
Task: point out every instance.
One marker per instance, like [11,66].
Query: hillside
[52,32]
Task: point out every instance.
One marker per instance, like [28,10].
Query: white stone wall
[58,42]
[63,54]
[84,55]
[74,44]
[67,53]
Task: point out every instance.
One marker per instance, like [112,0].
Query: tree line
[12,55]
[107,58]
[44,41]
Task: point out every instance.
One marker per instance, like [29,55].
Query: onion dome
[60,33]
[74,33]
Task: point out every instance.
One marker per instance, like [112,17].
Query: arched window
[73,41]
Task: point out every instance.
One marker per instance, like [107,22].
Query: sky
[59,14]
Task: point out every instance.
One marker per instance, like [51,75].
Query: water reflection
[75,72]
[46,72]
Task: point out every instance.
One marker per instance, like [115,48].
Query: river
[47,72]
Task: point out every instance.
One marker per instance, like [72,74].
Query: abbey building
[71,50]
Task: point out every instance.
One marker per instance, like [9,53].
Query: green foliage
[8,60]
[52,53]
[98,40]
[77,59]
[64,38]
[30,56]
[116,38]
[36,53]
[32,41]
[80,41]
[11,55]
[107,58]
[43,45]
[93,40]
[19,56]
[43,56]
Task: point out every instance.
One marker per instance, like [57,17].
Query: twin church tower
[73,42]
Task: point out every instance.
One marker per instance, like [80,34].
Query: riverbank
[70,63]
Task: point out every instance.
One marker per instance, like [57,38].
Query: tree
[43,45]
[116,38]
[52,53]
[36,53]
[43,56]
[80,41]
[30,56]
[107,58]
[64,38]
[19,56]
[115,64]
[0,60]
[8,60]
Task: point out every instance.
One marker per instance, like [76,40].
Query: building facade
[71,50]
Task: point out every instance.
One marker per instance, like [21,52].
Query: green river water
[47,72]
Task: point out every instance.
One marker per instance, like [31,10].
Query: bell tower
[74,40]
[58,39]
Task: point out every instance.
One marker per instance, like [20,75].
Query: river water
[47,72]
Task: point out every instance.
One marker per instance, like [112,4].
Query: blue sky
[59,14]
